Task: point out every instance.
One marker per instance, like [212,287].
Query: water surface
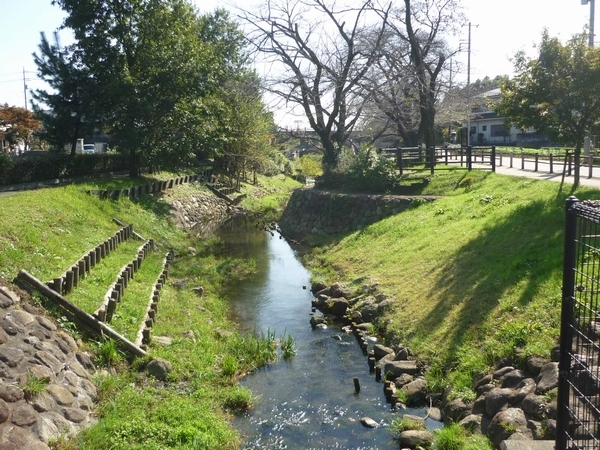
[307,402]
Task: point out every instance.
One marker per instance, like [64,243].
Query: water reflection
[307,402]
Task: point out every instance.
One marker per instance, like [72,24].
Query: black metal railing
[578,421]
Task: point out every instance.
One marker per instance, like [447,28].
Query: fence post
[400,164]
[432,155]
[551,163]
[446,155]
[537,157]
[469,162]
[570,159]
[522,160]
[568,294]
[494,158]
[511,159]
[591,165]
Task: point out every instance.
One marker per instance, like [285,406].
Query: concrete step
[518,444]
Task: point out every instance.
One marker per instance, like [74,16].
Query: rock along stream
[307,402]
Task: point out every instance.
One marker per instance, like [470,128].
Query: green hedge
[40,166]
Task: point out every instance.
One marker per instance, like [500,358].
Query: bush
[6,166]
[365,171]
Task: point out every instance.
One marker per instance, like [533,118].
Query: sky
[499,29]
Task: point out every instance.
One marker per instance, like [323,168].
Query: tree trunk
[134,171]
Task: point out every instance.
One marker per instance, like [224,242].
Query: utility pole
[469,86]
[25,88]
[587,141]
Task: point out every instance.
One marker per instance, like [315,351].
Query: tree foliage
[557,93]
[159,75]
[19,125]
[67,110]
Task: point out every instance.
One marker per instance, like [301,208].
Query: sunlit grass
[475,275]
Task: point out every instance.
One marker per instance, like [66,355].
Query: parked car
[89,148]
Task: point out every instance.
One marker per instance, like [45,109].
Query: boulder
[393,369]
[456,410]
[548,378]
[415,391]
[159,368]
[414,438]
[506,423]
[381,351]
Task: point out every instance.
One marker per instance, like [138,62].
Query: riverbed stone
[46,323]
[368,422]
[456,410]
[61,394]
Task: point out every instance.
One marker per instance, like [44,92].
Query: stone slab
[526,445]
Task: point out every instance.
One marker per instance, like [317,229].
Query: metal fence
[578,424]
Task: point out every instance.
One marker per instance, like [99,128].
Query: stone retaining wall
[311,211]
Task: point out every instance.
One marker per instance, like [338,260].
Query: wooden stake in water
[356,385]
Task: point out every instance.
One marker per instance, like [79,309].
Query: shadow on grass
[523,249]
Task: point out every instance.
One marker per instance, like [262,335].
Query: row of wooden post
[116,291]
[149,188]
[144,335]
[388,389]
[69,280]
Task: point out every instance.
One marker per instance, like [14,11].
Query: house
[488,128]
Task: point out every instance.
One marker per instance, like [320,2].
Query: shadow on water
[307,402]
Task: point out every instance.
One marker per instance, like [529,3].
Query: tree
[152,72]
[557,93]
[321,64]
[19,125]
[67,111]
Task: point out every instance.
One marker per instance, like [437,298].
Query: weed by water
[239,399]
[403,424]
[455,437]
[288,348]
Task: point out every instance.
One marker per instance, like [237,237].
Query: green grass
[269,196]
[475,275]
[46,231]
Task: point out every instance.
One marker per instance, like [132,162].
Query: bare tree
[316,43]
[409,81]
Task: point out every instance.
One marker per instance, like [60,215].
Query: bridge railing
[418,158]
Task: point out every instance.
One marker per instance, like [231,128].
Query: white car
[89,148]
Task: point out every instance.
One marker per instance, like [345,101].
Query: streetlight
[591,2]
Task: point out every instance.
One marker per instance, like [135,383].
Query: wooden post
[494,158]
[88,319]
[537,157]
[69,281]
[147,335]
[551,163]
[58,285]
[75,269]
[82,266]
[356,385]
[86,259]
[378,373]
[111,307]
[590,165]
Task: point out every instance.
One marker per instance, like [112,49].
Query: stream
[308,401]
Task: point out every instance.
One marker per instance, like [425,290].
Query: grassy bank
[46,231]
[474,276]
